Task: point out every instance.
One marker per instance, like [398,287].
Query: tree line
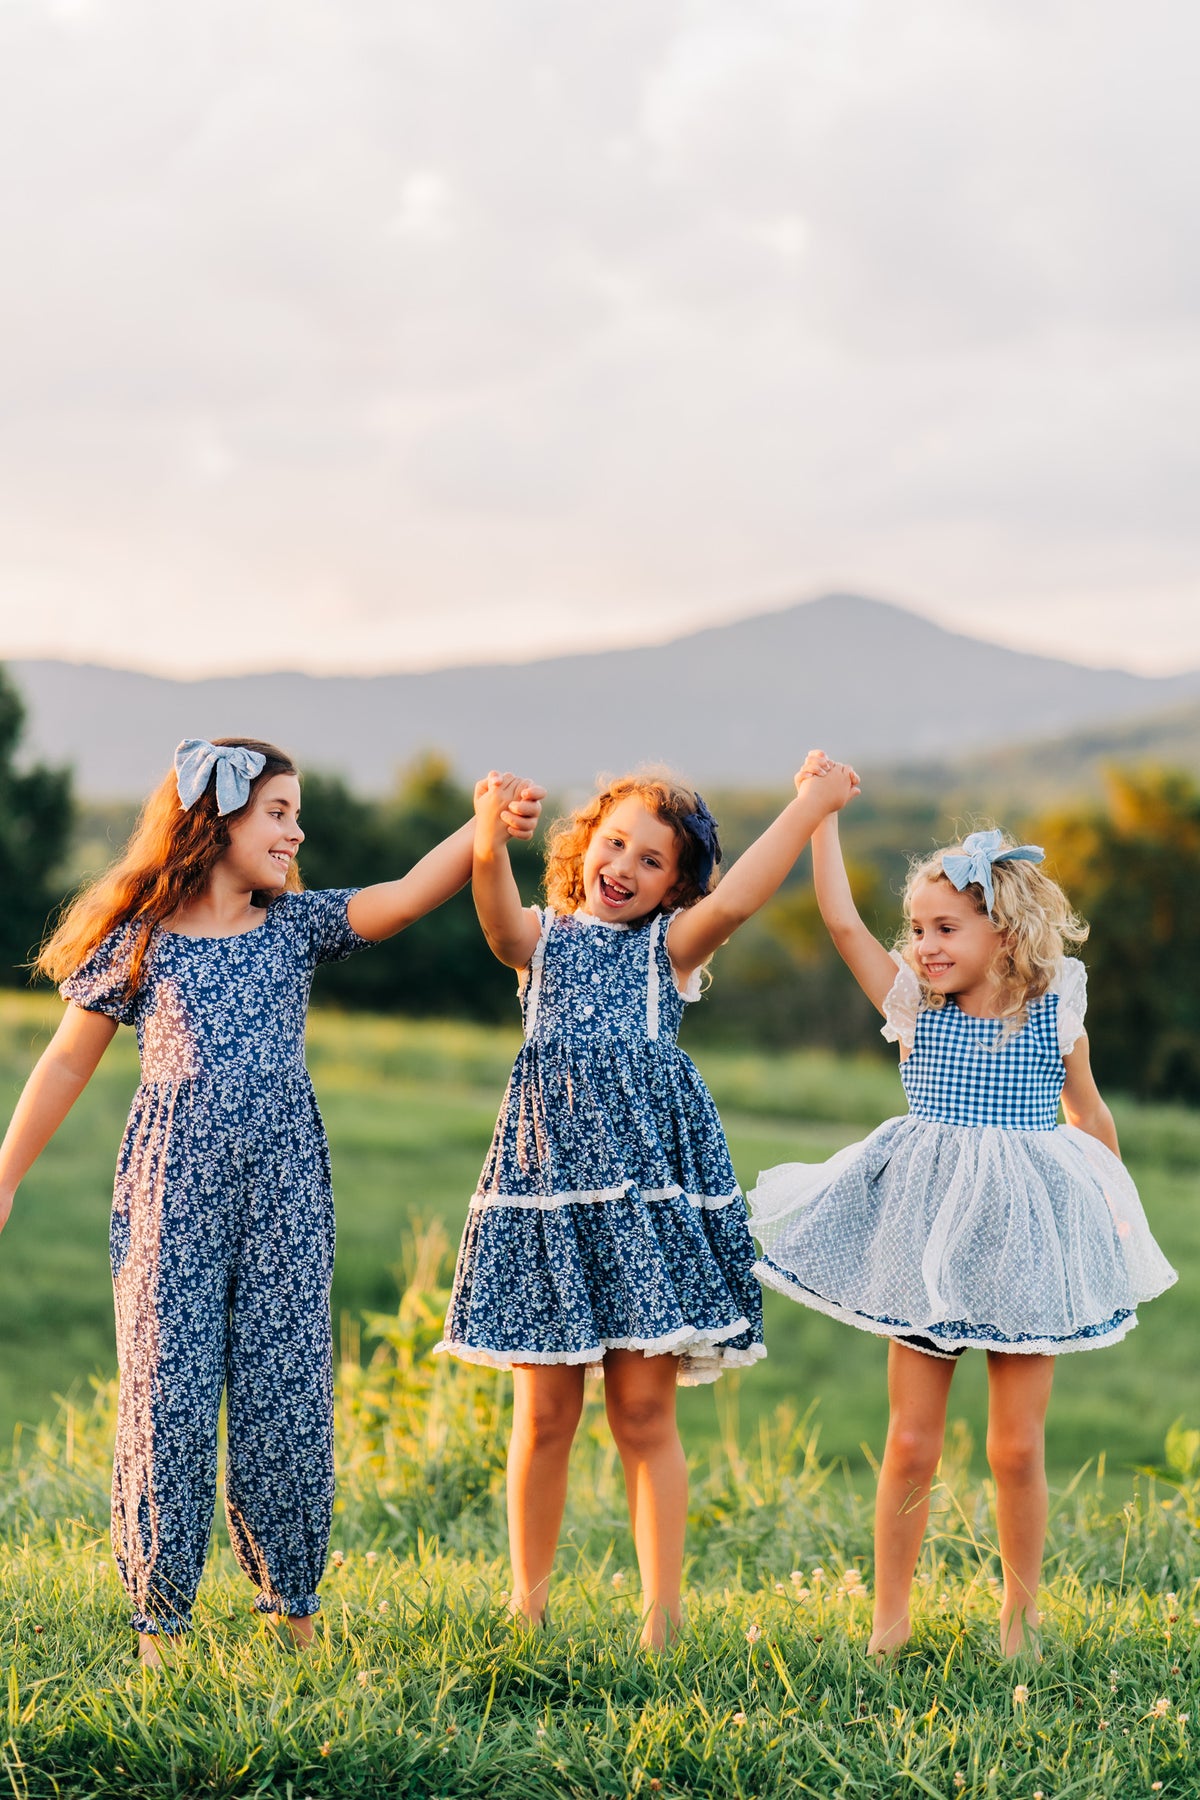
[1131,865]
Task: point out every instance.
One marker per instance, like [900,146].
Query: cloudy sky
[382,333]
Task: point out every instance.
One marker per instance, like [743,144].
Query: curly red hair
[663,795]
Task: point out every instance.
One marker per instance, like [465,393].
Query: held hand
[816,763]
[839,785]
[492,796]
[521,815]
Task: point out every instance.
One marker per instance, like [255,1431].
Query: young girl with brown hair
[222,1227]
[608,1229]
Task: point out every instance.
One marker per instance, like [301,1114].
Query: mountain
[734,705]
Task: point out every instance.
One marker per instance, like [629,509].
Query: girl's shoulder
[1069,984]
[901,1004]
[101,982]
[321,918]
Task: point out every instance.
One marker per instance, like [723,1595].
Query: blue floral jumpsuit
[222,1254]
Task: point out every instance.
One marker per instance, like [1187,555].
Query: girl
[977,1219]
[608,1228]
[222,1226]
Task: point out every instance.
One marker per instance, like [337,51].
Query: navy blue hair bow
[701,826]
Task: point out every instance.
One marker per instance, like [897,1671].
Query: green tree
[1132,868]
[441,965]
[36,818]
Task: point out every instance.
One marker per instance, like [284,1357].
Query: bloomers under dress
[977,1219]
[608,1216]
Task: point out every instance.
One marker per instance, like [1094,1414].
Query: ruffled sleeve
[1070,984]
[101,983]
[901,1005]
[324,911]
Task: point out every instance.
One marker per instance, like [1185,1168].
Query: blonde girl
[608,1230]
[976,1219]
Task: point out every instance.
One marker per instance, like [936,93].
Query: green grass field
[410,1108]
[419,1685]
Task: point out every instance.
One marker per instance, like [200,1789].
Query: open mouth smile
[613,894]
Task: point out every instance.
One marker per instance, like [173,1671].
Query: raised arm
[511,930]
[59,1077]
[1083,1106]
[859,949]
[382,910]
[759,872]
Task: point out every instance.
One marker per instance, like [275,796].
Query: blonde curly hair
[1033,920]
[663,795]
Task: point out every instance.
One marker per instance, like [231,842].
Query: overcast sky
[383,333]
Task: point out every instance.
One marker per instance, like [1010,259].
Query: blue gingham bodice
[960,1073]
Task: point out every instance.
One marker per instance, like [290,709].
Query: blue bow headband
[979,852]
[702,827]
[236,768]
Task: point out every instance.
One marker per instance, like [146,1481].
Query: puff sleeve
[325,913]
[101,983]
[901,1005]
[1070,984]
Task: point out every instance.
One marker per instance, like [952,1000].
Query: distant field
[410,1107]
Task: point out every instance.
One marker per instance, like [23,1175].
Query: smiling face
[263,842]
[957,948]
[631,865]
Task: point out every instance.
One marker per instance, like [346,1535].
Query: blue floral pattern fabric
[608,1215]
[222,1242]
[976,1219]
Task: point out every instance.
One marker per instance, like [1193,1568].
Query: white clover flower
[1160,1709]
[739,1718]
[1020,1694]
[753,1634]
[618,1579]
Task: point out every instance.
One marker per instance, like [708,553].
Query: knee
[641,1426]
[549,1422]
[1016,1455]
[913,1452]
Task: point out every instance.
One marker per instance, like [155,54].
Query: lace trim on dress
[703,1353]
[901,1004]
[533,975]
[1070,984]
[595,1196]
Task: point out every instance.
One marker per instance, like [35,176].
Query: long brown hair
[165,864]
[663,795]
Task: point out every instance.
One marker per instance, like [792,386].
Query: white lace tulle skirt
[1030,1241]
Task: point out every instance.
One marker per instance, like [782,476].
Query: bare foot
[1019,1635]
[298,1633]
[887,1639]
[156,1649]
[660,1628]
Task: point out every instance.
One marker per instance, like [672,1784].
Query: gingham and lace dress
[977,1219]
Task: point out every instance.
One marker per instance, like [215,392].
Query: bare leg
[1018,1395]
[639,1393]
[918,1390]
[547,1402]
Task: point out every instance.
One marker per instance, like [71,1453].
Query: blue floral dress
[608,1215]
[975,1219]
[222,1252]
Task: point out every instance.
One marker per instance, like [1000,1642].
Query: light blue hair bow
[236,768]
[982,849]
